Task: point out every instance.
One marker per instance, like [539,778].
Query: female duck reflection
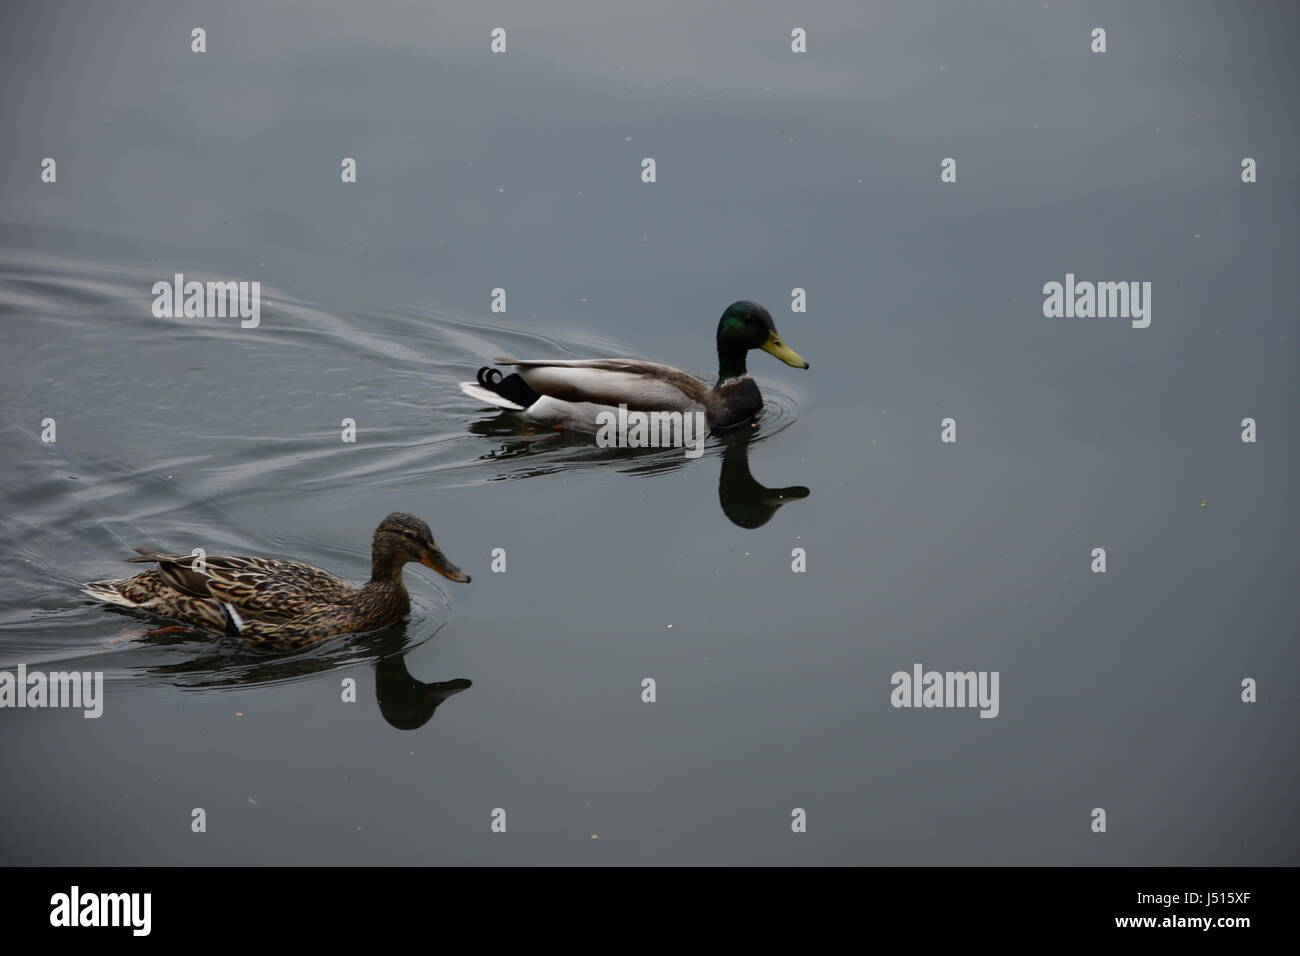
[404,701]
[744,501]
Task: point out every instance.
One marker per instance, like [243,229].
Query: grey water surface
[522,691]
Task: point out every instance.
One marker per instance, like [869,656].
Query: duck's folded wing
[176,571]
[641,386]
[254,587]
[274,590]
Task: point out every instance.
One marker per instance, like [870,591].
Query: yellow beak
[774,346]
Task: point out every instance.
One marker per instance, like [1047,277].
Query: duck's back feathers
[226,594]
[641,386]
[575,392]
[176,571]
[261,588]
[269,590]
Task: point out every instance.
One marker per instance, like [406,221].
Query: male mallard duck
[574,392]
[281,605]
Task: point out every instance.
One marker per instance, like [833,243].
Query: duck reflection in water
[404,701]
[745,502]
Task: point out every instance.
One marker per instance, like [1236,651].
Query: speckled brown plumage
[276,605]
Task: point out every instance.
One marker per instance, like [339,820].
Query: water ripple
[189,430]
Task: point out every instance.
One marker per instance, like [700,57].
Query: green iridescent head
[744,326]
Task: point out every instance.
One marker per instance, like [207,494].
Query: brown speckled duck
[274,605]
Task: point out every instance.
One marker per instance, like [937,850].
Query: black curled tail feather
[510,387]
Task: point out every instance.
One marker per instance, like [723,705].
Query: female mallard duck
[281,605]
[574,393]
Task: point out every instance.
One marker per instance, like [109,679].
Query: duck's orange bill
[445,568]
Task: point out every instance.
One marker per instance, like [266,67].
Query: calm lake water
[775,171]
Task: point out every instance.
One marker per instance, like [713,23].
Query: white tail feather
[106,591]
[474,390]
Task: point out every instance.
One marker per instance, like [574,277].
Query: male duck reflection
[745,501]
[274,605]
[573,393]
